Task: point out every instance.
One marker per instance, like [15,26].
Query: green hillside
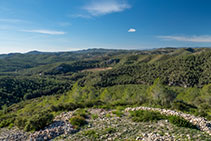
[38,82]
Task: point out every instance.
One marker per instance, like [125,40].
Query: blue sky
[65,25]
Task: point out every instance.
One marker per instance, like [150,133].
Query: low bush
[78,121]
[182,106]
[203,113]
[108,115]
[6,122]
[20,122]
[81,112]
[145,116]
[92,103]
[91,134]
[38,121]
[110,130]
[180,122]
[118,113]
[10,126]
[64,107]
[94,116]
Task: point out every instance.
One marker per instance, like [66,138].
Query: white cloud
[200,39]
[132,30]
[50,32]
[103,7]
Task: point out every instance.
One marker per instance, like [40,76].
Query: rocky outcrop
[200,122]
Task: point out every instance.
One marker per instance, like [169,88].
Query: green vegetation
[118,113]
[35,83]
[160,95]
[92,134]
[38,122]
[79,118]
[180,122]
[94,116]
[16,89]
[110,130]
[146,116]
[82,113]
[78,121]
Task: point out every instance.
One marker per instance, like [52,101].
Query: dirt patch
[97,69]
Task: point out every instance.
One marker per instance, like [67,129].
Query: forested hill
[35,74]
[37,86]
[17,61]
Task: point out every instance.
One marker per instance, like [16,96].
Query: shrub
[182,106]
[108,115]
[78,121]
[121,108]
[4,109]
[81,112]
[91,134]
[203,113]
[64,107]
[159,94]
[180,122]
[20,122]
[94,116]
[144,116]
[6,122]
[11,125]
[110,130]
[118,113]
[38,122]
[92,103]
[107,107]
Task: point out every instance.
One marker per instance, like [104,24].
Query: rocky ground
[12,134]
[200,122]
[104,125]
[108,126]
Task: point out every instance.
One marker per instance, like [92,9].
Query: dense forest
[41,83]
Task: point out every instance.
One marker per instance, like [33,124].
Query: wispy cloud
[42,31]
[199,39]
[64,24]
[103,7]
[132,30]
[85,16]
[4,9]
[6,27]
[11,20]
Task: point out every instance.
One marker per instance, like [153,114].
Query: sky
[67,25]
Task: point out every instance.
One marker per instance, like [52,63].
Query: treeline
[27,114]
[174,67]
[193,99]
[16,89]
[185,71]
